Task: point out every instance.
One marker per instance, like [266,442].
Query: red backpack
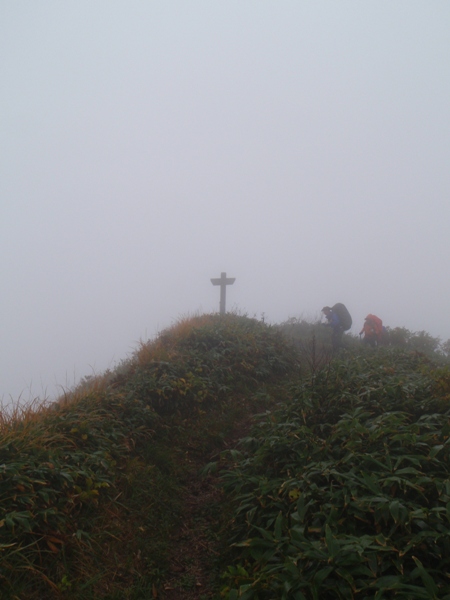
[376,323]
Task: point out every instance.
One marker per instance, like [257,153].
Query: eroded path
[194,573]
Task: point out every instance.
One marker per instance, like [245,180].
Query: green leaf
[434,450]
[408,471]
[265,534]
[322,574]
[278,529]
[388,582]
[428,581]
[332,544]
[398,511]
[302,508]
[372,483]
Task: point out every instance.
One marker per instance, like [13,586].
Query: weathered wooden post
[223,282]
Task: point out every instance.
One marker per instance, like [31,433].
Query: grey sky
[302,147]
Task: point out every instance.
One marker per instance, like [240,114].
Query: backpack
[343,315]
[376,323]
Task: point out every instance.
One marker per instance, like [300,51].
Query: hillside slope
[95,489]
[344,490]
[157,480]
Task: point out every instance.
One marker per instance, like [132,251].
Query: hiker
[339,320]
[372,330]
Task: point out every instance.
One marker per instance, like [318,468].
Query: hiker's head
[326,310]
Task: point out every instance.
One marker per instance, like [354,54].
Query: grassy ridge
[344,491]
[341,491]
[91,486]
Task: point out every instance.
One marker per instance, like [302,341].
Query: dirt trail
[193,574]
[195,548]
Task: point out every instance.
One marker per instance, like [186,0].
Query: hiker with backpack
[339,320]
[372,330]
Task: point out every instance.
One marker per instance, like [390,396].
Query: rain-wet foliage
[315,336]
[340,491]
[344,490]
[90,486]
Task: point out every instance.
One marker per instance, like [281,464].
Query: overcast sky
[302,147]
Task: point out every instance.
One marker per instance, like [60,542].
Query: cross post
[223,282]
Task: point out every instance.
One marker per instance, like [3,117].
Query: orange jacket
[373,327]
[368,330]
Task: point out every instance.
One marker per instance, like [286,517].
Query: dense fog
[146,147]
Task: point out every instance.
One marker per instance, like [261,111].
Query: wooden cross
[223,282]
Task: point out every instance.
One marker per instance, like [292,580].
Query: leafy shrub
[344,492]
[207,362]
[64,467]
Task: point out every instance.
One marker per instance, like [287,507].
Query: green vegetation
[340,489]
[303,332]
[92,487]
[344,490]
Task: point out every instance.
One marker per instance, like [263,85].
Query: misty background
[302,147]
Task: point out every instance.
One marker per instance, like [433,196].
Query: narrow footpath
[194,572]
